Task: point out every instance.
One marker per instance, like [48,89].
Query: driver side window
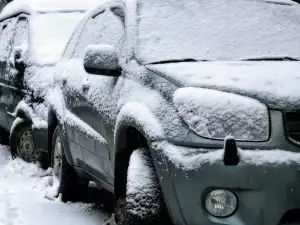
[105,28]
[7,32]
[21,33]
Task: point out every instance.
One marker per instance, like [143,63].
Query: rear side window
[7,32]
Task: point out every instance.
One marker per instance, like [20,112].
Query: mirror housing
[19,59]
[101,60]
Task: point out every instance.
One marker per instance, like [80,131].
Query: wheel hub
[26,147]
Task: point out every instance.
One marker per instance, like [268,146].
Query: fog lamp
[221,203]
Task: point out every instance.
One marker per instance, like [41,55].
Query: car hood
[276,84]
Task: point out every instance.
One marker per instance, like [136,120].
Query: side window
[7,32]
[21,33]
[105,28]
[112,30]
[73,42]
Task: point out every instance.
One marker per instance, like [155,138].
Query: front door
[7,32]
[15,79]
[111,30]
[94,93]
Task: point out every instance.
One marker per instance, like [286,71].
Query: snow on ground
[23,191]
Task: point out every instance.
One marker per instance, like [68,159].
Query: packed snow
[142,186]
[27,197]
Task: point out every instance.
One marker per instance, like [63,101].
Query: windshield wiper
[287,58]
[178,61]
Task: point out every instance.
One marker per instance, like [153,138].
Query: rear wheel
[71,187]
[143,202]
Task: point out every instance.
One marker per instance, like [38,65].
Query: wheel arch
[22,114]
[53,122]
[129,138]
[132,131]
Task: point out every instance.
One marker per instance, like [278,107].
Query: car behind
[33,36]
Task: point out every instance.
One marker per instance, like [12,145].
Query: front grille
[292,124]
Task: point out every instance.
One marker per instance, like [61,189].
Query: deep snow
[26,194]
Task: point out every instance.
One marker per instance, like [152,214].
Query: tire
[4,137]
[22,143]
[293,223]
[71,187]
[143,203]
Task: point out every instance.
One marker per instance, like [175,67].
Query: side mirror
[18,59]
[102,60]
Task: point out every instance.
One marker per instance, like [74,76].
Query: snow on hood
[273,83]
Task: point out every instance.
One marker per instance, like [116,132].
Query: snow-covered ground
[26,197]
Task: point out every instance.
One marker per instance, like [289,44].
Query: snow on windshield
[50,33]
[217,29]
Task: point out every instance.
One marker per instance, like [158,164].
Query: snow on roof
[29,6]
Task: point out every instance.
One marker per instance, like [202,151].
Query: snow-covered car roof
[30,6]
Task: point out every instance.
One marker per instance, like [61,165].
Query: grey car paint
[266,193]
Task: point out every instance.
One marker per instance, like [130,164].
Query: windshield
[217,29]
[50,33]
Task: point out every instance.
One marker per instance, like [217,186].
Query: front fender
[138,116]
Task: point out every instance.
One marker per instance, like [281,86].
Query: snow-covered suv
[186,105]
[33,36]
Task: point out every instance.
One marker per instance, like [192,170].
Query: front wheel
[71,187]
[143,203]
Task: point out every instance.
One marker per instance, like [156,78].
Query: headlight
[220,203]
[215,114]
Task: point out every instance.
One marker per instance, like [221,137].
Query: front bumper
[266,183]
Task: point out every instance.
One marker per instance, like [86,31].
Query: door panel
[7,29]
[14,77]
[111,31]
[73,132]
[93,106]
[92,149]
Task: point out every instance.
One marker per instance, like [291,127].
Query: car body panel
[141,97]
